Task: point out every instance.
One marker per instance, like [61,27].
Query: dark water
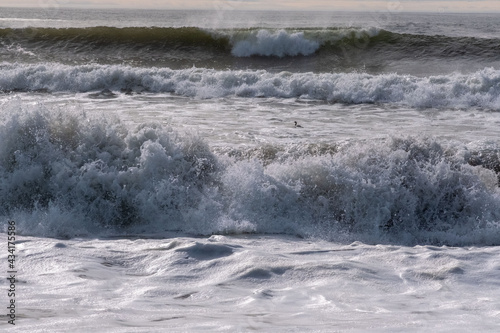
[294,49]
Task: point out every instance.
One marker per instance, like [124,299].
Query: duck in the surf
[297,124]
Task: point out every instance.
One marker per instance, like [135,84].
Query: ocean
[232,171]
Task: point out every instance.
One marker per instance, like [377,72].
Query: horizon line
[259,10]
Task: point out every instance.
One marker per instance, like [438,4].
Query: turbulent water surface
[150,160]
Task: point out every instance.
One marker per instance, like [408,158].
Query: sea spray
[66,173]
[95,172]
[277,44]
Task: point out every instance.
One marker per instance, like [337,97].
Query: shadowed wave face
[308,49]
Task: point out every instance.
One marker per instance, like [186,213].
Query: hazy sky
[364,5]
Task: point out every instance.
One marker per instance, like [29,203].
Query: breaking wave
[479,89]
[65,174]
[209,47]
[275,44]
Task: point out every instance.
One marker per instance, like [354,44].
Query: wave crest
[65,174]
[280,44]
[479,89]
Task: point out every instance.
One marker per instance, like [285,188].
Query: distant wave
[136,42]
[67,174]
[479,89]
[240,42]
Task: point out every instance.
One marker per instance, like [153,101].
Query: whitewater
[155,180]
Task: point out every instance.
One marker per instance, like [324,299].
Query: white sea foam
[67,173]
[280,44]
[479,89]
[251,283]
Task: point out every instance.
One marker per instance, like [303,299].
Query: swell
[410,45]
[97,37]
[109,44]
[66,174]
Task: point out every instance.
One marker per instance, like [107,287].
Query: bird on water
[296,124]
